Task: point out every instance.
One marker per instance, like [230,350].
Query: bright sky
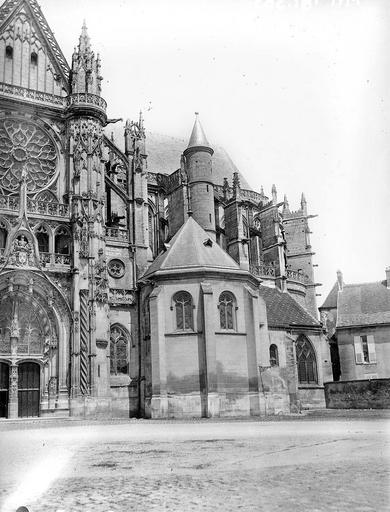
[298,93]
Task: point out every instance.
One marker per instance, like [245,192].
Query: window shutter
[371,348]
[358,350]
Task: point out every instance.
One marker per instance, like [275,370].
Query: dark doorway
[4,387]
[28,392]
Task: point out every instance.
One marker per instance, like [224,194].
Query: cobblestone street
[330,464]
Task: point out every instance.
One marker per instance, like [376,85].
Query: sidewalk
[310,414]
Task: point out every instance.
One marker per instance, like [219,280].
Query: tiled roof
[164,155]
[284,311]
[331,299]
[363,304]
[188,251]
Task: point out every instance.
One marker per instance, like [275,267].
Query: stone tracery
[24,147]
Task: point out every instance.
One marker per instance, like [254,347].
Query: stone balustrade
[296,275]
[46,208]
[78,99]
[117,234]
[48,259]
[87,99]
[35,206]
[31,95]
[262,270]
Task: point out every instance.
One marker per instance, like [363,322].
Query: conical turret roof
[198,137]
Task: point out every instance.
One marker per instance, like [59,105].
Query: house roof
[192,249]
[331,300]
[363,304]
[284,311]
[164,155]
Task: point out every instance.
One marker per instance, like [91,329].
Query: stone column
[210,351]
[253,320]
[159,399]
[13,392]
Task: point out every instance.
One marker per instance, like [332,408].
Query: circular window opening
[116,268]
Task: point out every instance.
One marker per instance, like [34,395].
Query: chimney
[340,280]
[388,277]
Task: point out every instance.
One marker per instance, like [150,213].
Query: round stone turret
[198,165]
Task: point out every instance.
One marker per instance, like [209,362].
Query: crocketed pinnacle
[84,41]
[198,137]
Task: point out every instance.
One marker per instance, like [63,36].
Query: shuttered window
[371,348]
[364,349]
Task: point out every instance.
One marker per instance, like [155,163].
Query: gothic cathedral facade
[128,291]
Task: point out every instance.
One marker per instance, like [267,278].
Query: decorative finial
[274,194]
[340,280]
[303,202]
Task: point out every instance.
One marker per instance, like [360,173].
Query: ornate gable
[30,57]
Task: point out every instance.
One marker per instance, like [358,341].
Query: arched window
[306,360]
[43,239]
[152,230]
[227,309]
[9,52]
[62,241]
[3,235]
[34,59]
[119,349]
[184,311]
[273,355]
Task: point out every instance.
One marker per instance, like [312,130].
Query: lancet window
[62,241]
[183,311]
[119,350]
[306,360]
[273,355]
[227,310]
[42,238]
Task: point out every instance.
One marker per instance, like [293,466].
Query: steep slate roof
[284,311]
[164,155]
[363,304]
[187,251]
[331,300]
[198,137]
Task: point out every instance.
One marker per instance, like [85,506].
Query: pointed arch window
[34,59]
[9,52]
[184,311]
[42,238]
[227,310]
[62,241]
[152,230]
[306,360]
[119,350]
[273,355]
[3,235]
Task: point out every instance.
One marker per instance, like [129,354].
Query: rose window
[26,150]
[116,268]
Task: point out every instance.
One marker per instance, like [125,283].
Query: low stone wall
[358,394]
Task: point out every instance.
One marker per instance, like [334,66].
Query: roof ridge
[366,282]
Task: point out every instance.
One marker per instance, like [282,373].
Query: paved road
[312,465]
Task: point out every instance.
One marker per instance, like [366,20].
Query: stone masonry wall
[358,394]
